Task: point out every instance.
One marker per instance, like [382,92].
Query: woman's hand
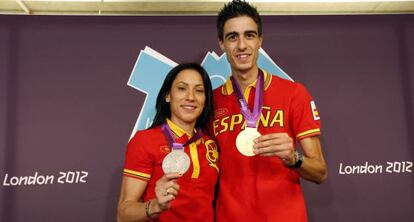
[166,189]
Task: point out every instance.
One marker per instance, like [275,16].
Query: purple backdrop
[65,108]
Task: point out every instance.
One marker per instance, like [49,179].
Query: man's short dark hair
[237,8]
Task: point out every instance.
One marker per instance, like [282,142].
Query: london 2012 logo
[151,68]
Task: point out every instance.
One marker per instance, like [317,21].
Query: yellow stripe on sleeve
[308,132]
[137,174]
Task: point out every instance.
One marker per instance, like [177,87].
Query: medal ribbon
[171,141]
[251,117]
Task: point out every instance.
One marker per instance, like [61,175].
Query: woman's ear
[167,98]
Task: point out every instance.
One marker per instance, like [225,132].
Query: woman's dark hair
[237,8]
[163,110]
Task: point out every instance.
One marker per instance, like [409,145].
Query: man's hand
[276,144]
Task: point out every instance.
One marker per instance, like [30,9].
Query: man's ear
[261,41]
[221,44]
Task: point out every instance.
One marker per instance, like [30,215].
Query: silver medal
[177,161]
[244,141]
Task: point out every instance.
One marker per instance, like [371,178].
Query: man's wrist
[298,160]
[152,209]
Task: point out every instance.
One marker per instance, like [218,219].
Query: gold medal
[244,141]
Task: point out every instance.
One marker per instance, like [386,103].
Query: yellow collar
[227,88]
[177,130]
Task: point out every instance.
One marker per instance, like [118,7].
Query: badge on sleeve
[314,111]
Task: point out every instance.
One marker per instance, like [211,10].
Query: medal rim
[243,150]
[185,166]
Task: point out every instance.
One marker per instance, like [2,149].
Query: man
[260,167]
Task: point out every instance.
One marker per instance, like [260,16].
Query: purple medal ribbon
[171,141]
[251,117]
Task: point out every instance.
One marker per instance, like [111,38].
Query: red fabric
[261,188]
[145,153]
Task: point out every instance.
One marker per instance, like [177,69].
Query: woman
[155,184]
